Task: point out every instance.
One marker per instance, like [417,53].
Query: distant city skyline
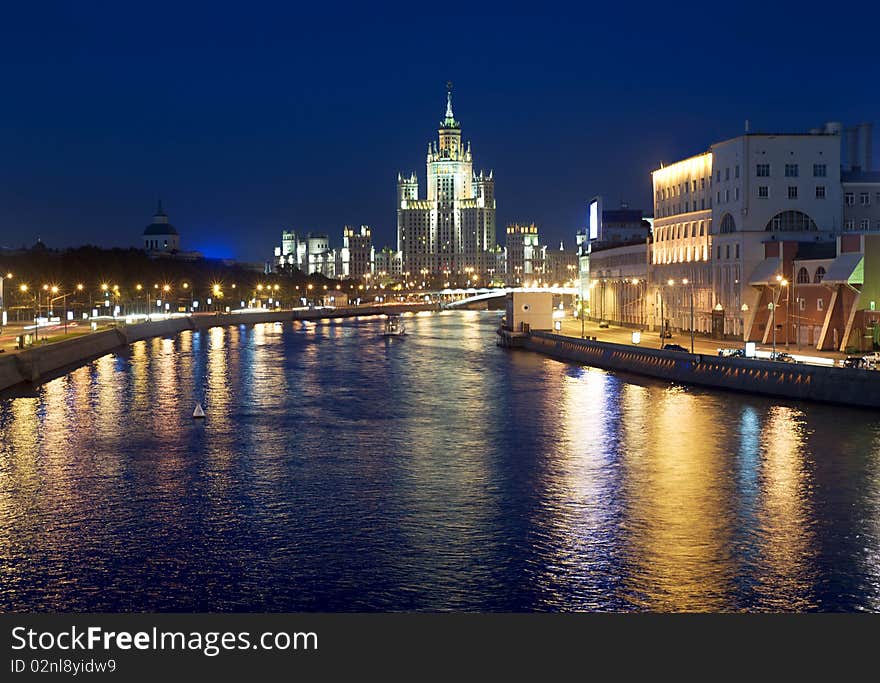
[246,124]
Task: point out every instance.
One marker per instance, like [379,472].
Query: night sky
[247,118]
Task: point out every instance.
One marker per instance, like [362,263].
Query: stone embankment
[826,384]
[36,363]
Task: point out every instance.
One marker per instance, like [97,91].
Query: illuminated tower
[452,230]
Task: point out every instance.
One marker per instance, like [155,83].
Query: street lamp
[669,283]
[776,292]
[685,282]
[3,306]
[23,289]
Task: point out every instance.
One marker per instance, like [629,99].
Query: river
[341,471]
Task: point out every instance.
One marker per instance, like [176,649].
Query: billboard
[595,218]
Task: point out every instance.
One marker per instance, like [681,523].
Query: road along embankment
[845,386]
[34,364]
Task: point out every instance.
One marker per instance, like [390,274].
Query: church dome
[160,224]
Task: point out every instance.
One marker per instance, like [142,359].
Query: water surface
[340,471]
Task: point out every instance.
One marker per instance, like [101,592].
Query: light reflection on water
[338,470]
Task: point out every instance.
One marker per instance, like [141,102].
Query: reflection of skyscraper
[453,229]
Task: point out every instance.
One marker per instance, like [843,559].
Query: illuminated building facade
[682,243]
[525,255]
[452,230]
[715,212]
[356,256]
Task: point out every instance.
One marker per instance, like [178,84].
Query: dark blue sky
[249,117]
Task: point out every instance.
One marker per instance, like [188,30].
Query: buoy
[198,412]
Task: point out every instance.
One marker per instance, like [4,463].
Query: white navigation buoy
[198,412]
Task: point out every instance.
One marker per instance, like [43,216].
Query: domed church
[160,236]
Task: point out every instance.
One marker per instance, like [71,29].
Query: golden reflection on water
[574,495]
[676,491]
[787,543]
[140,383]
[166,403]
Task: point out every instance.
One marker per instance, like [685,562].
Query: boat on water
[199,412]
[394,326]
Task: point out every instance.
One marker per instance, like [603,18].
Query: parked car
[782,357]
[872,359]
[854,362]
[674,347]
[732,353]
[603,323]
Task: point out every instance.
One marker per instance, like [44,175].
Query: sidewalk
[703,345]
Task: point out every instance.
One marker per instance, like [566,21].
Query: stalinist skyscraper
[451,232]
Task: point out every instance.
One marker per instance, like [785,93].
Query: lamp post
[186,287]
[3,306]
[24,289]
[61,296]
[776,292]
[685,282]
[669,283]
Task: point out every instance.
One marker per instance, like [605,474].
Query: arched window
[791,221]
[803,277]
[820,273]
[727,224]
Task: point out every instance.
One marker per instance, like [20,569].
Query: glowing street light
[782,282]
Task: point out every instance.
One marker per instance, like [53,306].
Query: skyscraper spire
[449,100]
[449,121]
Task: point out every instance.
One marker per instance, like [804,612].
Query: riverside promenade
[702,344]
[37,363]
[797,381]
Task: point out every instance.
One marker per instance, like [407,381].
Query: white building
[715,212]
[356,258]
[452,230]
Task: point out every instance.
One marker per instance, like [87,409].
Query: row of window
[821,192]
[676,209]
[791,170]
[681,254]
[803,275]
[849,198]
[682,188]
[727,173]
[726,252]
[864,225]
[671,232]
